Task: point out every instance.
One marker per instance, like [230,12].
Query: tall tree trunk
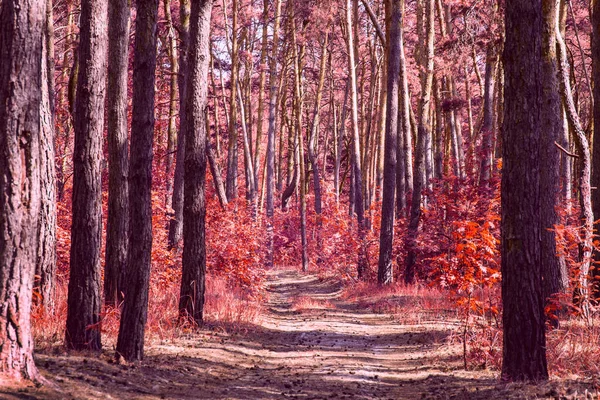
[555,277]
[191,300]
[83,308]
[249,172]
[404,118]
[439,130]
[176,223]
[21,35]
[215,171]
[232,152]
[487,127]
[424,130]
[524,346]
[130,343]
[270,157]
[356,153]
[595,181]
[312,154]
[586,245]
[261,90]
[118,154]
[299,97]
[393,18]
[46,263]
[174,70]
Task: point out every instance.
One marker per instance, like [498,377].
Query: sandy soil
[330,349]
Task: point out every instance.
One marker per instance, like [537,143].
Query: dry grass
[413,303]
[225,305]
[304,303]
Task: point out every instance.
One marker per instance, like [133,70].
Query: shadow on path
[327,351]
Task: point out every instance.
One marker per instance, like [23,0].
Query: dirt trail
[333,350]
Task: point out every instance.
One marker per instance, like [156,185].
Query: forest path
[308,344]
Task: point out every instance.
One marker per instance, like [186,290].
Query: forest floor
[309,343]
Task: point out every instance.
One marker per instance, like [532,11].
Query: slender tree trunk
[191,300]
[595,180]
[261,90]
[555,278]
[270,156]
[176,223]
[215,171]
[312,154]
[385,273]
[424,130]
[581,294]
[46,263]
[232,153]
[174,70]
[250,183]
[487,127]
[356,153]
[299,95]
[407,153]
[439,131]
[83,308]
[21,35]
[130,343]
[118,154]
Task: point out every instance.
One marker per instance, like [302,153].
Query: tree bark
[83,308]
[560,282]
[273,80]
[130,343]
[524,354]
[424,130]
[357,178]
[191,300]
[487,127]
[312,153]
[21,35]
[176,223]
[118,154]
[174,70]
[385,273]
[46,263]
[595,180]
[232,152]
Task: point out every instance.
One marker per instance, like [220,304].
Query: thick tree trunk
[21,35]
[118,154]
[386,238]
[191,300]
[524,348]
[130,343]
[176,223]
[83,310]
